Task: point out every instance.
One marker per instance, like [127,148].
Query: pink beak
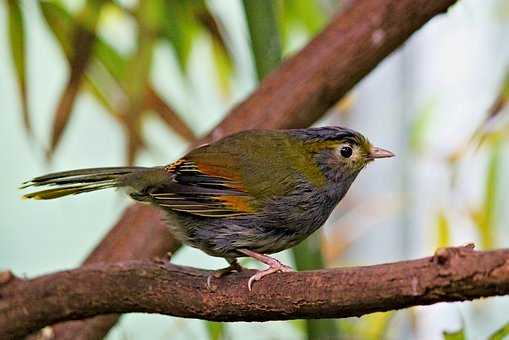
[380,153]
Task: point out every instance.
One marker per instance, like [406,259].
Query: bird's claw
[234,267]
[278,268]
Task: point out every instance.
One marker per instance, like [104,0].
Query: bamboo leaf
[457,335]
[421,126]
[61,23]
[116,65]
[501,333]
[105,78]
[224,67]
[372,326]
[154,102]
[216,330]
[18,53]
[180,28]
[490,195]
[137,79]
[263,30]
[484,218]
[443,230]
[494,125]
[112,60]
[308,16]
[222,57]
[79,41]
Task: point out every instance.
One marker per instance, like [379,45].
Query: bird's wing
[204,190]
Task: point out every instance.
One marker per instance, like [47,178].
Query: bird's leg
[233,267]
[274,266]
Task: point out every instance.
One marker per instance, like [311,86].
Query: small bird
[250,194]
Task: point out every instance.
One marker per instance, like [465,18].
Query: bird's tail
[78,181]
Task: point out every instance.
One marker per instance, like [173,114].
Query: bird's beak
[380,153]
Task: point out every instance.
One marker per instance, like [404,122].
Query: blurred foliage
[305,17]
[369,327]
[457,335]
[18,53]
[443,230]
[121,83]
[485,217]
[421,126]
[501,333]
[491,134]
[265,41]
[216,330]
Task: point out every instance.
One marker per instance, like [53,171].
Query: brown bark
[453,274]
[295,95]
[141,233]
[354,43]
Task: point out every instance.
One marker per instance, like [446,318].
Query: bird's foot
[274,266]
[280,268]
[233,267]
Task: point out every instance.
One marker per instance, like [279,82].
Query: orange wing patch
[207,190]
[237,203]
[171,168]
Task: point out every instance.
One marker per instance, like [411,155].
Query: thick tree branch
[453,274]
[353,44]
[295,95]
[132,238]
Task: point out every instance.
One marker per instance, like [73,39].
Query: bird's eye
[346,151]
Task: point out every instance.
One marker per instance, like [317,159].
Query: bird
[249,194]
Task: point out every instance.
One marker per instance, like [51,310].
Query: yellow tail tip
[30,197]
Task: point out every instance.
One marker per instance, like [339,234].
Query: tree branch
[295,95]
[132,238]
[453,274]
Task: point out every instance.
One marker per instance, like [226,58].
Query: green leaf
[501,333]
[458,335]
[60,23]
[216,330]
[80,39]
[180,27]
[263,31]
[101,85]
[421,126]
[223,59]
[105,76]
[495,126]
[154,102]
[443,230]
[308,16]
[18,52]
[490,196]
[224,67]
[136,81]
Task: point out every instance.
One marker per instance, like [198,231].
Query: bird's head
[341,152]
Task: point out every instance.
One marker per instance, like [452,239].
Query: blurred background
[104,83]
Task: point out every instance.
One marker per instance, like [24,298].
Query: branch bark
[132,238]
[295,95]
[453,274]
